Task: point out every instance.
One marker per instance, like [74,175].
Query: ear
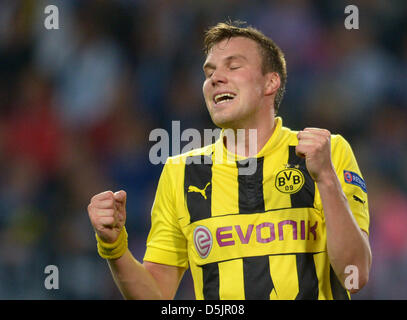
[272,83]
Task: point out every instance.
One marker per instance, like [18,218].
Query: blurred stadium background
[77,106]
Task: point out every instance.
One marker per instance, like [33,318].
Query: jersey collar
[267,148]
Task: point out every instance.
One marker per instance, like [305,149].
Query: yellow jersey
[257,236]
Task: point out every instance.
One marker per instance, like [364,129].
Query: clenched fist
[315,146]
[107,213]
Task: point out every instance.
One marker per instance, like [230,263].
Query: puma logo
[201,191]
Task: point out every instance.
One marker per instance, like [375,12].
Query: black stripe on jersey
[305,197]
[338,292]
[210,275]
[251,199]
[198,187]
[307,277]
[257,279]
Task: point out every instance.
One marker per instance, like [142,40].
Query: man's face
[234,87]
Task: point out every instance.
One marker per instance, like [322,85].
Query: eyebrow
[209,65]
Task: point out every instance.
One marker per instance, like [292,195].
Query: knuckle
[110,203]
[101,195]
[109,221]
[107,195]
[106,213]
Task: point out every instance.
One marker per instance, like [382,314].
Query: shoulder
[173,172]
[288,136]
[342,152]
[175,166]
[182,158]
[339,143]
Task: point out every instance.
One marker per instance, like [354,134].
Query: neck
[247,142]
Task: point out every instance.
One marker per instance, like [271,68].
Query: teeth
[219,97]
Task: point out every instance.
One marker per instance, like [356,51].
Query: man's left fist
[315,146]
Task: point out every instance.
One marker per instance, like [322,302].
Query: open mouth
[223,97]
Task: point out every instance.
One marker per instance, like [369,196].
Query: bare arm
[148,281]
[107,213]
[347,244]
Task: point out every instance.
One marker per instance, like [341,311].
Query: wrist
[113,250]
[327,177]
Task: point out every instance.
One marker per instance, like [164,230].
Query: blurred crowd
[77,105]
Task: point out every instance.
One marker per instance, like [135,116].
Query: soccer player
[294,228]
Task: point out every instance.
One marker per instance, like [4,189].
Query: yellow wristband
[113,250]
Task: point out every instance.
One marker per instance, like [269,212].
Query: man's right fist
[107,213]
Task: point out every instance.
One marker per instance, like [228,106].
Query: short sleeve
[351,179]
[166,244]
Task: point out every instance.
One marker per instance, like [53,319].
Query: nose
[218,77]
